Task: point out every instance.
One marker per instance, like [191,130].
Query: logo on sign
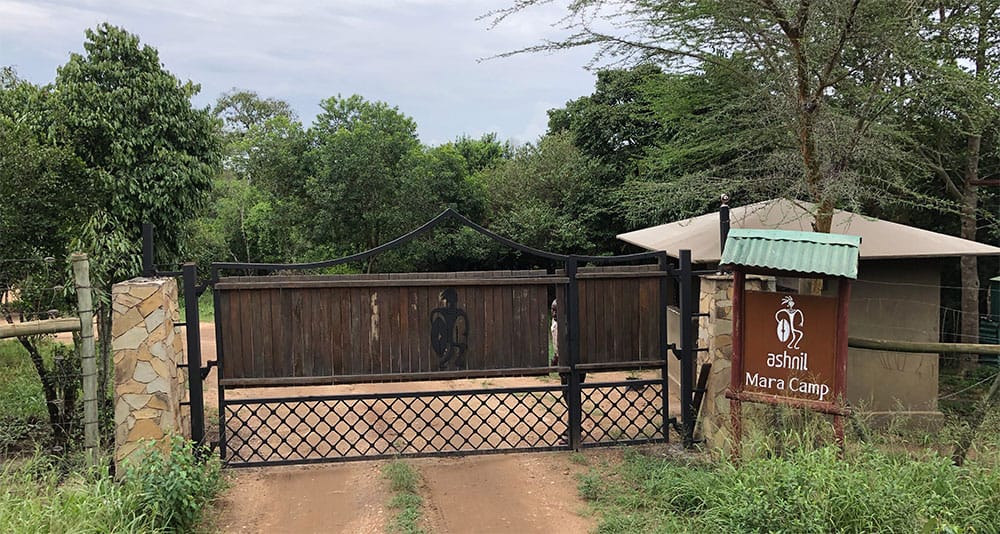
[787,317]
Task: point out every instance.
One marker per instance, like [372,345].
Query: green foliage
[176,488]
[37,496]
[804,490]
[22,402]
[150,154]
[404,482]
[549,196]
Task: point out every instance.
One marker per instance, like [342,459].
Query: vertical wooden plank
[503,329]
[261,364]
[278,325]
[646,316]
[338,322]
[249,332]
[232,336]
[476,354]
[329,332]
[292,304]
[350,318]
[418,351]
[312,358]
[403,310]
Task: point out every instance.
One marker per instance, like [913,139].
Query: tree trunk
[48,387]
[969,265]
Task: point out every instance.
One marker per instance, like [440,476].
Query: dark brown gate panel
[618,314]
[355,325]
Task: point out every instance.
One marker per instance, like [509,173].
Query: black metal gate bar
[192,327]
[687,353]
[313,429]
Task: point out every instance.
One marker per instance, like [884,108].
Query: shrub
[175,487]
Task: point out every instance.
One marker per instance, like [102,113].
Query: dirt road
[521,493]
[512,493]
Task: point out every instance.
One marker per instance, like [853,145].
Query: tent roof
[880,239]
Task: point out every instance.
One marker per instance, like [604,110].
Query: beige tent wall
[898,300]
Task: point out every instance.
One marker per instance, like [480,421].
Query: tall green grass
[22,402]
[802,486]
[163,493]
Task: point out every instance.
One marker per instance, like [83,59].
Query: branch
[835,56]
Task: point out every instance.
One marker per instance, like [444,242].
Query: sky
[425,57]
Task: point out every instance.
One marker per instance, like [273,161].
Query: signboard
[790,346]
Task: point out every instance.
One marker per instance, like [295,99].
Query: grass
[23,417]
[807,488]
[404,482]
[206,307]
[46,494]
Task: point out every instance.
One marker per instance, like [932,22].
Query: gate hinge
[208,368]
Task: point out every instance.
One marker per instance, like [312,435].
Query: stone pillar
[149,386]
[715,331]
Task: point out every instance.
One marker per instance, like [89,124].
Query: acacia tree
[149,153]
[825,71]
[956,121]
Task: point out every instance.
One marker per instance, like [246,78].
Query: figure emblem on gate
[450,332]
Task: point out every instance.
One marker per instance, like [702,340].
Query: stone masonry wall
[147,346]
[716,332]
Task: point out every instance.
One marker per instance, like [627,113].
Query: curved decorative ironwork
[445,216]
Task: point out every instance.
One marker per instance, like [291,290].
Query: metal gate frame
[573,390]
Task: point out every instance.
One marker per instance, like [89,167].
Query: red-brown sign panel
[790,345]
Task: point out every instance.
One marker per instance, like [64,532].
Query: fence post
[85,309]
[148,268]
[192,327]
[574,404]
[664,348]
[687,346]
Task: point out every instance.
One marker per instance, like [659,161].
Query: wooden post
[44,326]
[85,309]
[735,404]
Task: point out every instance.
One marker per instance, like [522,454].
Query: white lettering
[765,382]
[784,360]
[809,388]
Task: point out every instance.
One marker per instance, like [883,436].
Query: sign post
[789,348]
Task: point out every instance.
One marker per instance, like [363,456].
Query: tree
[548,196]
[825,71]
[615,125]
[45,198]
[956,123]
[360,195]
[149,153]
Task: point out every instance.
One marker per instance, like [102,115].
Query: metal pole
[687,348]
[148,269]
[193,329]
[85,309]
[219,352]
[574,401]
[723,224]
[664,348]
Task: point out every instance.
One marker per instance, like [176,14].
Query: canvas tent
[897,295]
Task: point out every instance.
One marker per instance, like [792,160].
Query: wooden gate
[323,335]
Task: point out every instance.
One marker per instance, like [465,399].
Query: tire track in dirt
[348,497]
[515,493]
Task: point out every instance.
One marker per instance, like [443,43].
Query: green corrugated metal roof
[797,252]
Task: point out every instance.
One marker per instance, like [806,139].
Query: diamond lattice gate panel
[274,431]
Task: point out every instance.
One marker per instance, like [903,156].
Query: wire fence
[41,375]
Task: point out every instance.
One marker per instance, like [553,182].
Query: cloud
[420,55]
